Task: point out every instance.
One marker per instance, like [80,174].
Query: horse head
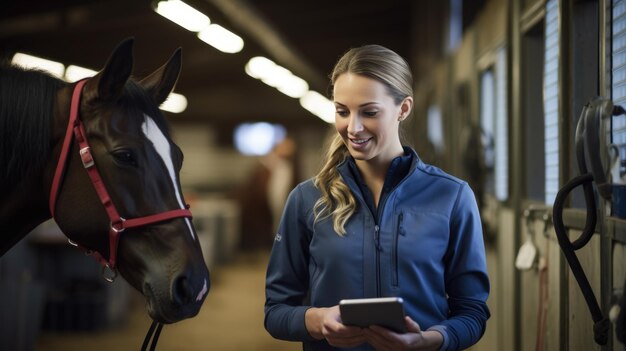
[139,165]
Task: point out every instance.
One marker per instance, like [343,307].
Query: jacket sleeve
[467,283]
[287,280]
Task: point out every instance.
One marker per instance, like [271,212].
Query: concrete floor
[230,319]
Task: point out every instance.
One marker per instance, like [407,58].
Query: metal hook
[547,224]
[529,225]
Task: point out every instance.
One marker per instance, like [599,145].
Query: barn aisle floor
[230,319]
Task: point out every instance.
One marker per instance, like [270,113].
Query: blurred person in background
[263,195]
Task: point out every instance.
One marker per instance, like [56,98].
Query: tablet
[386,312]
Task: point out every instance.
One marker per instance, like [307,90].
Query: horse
[97,156]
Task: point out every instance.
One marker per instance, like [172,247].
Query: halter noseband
[76,130]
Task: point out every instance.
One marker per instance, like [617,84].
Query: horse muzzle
[177,299]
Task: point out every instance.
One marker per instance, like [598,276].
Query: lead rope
[587,131]
[601,324]
[153,333]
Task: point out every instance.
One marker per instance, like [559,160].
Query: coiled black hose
[601,324]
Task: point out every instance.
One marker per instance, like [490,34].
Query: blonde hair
[383,65]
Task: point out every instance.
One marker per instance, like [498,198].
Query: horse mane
[27,104]
[27,101]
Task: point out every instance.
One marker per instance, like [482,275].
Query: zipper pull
[377,237]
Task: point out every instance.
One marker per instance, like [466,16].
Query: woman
[375,222]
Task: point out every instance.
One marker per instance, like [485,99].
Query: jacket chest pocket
[419,244]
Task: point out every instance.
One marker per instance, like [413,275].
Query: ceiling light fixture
[293,86]
[221,39]
[259,67]
[28,61]
[75,73]
[183,15]
[175,103]
[276,76]
[318,105]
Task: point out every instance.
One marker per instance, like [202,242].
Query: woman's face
[367,118]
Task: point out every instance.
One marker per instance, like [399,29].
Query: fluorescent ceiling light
[318,105]
[75,73]
[293,86]
[276,76]
[259,67]
[28,61]
[175,103]
[221,39]
[183,15]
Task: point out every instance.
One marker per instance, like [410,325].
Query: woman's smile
[359,143]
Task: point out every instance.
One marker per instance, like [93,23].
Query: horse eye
[125,157]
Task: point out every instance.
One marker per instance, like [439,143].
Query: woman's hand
[325,323]
[383,339]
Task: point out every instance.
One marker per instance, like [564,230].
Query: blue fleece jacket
[424,244]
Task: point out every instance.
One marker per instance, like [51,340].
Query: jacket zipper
[377,242]
[379,248]
[377,217]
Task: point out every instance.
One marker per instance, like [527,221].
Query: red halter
[118,224]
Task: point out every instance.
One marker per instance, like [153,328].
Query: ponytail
[337,200]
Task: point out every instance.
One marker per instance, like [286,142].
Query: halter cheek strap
[67,142]
[76,130]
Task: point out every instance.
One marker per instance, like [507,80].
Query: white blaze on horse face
[162,146]
[202,292]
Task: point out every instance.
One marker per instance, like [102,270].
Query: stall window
[487,125]
[551,100]
[455,26]
[494,127]
[435,129]
[501,135]
[533,54]
[618,58]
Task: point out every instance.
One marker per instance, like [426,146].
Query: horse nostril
[182,292]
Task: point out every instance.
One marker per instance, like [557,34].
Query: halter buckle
[109,274]
[85,156]
[122,220]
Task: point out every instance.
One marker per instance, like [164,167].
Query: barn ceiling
[304,36]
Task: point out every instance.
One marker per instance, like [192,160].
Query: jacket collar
[346,166]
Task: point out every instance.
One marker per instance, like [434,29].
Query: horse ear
[108,84]
[162,81]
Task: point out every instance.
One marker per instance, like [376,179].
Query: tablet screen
[386,312]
